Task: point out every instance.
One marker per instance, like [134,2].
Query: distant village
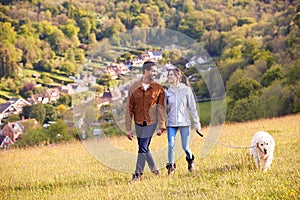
[13,131]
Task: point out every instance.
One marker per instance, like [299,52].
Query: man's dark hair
[147,65]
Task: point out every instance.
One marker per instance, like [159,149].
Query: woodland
[254,43]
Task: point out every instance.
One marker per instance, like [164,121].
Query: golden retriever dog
[262,149]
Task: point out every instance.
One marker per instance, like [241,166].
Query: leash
[222,144]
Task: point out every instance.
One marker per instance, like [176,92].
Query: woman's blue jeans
[185,141]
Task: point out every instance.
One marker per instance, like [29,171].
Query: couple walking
[146,106]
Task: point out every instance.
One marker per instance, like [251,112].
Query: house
[86,79]
[196,60]
[19,103]
[106,99]
[137,62]
[120,69]
[111,70]
[15,130]
[53,94]
[5,141]
[49,96]
[145,56]
[12,106]
[155,55]
[73,88]
[79,88]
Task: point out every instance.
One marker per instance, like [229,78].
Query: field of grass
[204,112]
[8,95]
[69,171]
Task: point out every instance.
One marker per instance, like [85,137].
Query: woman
[180,102]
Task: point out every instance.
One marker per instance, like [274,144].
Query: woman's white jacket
[180,103]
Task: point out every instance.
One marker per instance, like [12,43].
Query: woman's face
[172,79]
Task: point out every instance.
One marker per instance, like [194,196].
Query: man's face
[152,73]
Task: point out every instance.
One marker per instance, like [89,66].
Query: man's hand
[129,135]
[160,131]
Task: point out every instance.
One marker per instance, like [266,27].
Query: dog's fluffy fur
[263,145]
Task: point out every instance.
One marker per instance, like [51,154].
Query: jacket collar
[179,87]
[140,85]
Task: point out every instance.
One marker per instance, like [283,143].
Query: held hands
[160,132]
[129,135]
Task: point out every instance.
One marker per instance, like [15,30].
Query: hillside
[254,44]
[69,171]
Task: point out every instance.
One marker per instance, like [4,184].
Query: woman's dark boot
[191,164]
[171,168]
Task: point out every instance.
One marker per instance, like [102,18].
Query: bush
[275,100]
[244,109]
[33,137]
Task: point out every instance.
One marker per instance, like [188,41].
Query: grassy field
[69,171]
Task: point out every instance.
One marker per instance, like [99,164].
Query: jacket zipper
[144,107]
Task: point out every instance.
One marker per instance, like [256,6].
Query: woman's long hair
[179,75]
[185,80]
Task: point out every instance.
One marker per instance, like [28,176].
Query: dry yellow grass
[69,171]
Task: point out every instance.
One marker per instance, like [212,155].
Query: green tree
[59,43]
[11,85]
[68,67]
[292,75]
[7,33]
[85,27]
[192,25]
[142,21]
[105,80]
[250,49]
[36,136]
[36,111]
[154,16]
[31,49]
[135,9]
[212,41]
[201,89]
[266,56]
[27,90]
[44,29]
[70,29]
[244,109]
[43,65]
[51,114]
[272,74]
[228,66]
[58,132]
[65,100]
[275,100]
[243,89]
[9,56]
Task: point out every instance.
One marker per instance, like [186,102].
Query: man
[145,105]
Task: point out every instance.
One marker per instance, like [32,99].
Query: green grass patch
[2,100]
[57,77]
[204,111]
[8,95]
